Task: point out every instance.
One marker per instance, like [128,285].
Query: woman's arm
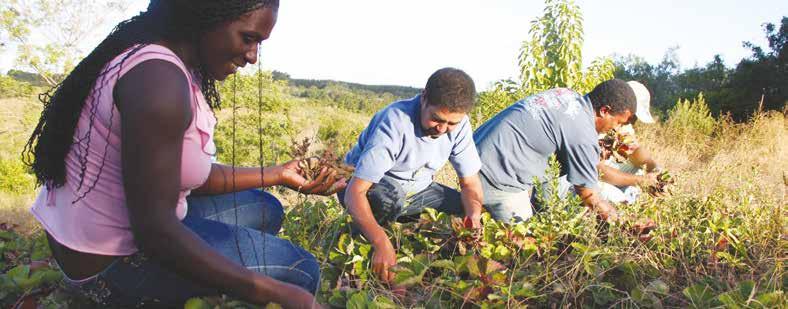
[220,180]
[153,100]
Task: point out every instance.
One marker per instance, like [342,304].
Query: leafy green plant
[691,117]
[253,105]
[24,268]
[551,58]
[15,177]
[11,88]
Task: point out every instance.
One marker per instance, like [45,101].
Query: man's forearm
[616,177]
[472,196]
[361,212]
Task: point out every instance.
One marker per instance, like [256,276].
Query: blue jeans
[138,281]
[389,202]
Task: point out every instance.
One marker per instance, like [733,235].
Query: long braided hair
[172,20]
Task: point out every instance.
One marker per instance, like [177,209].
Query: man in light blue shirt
[400,151]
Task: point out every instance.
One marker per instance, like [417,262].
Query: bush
[15,178]
[341,134]
[691,117]
[11,88]
[250,95]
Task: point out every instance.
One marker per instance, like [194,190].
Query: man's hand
[472,197]
[473,221]
[606,211]
[649,180]
[383,258]
[593,201]
[642,229]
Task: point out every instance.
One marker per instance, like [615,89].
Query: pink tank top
[99,222]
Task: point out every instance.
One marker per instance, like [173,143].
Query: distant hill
[397,91]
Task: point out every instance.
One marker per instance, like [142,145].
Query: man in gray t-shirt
[516,143]
[400,151]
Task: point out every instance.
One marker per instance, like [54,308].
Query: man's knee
[386,199]
[508,206]
[509,213]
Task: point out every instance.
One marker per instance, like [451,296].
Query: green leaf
[196,303]
[700,296]
[383,302]
[357,301]
[338,299]
[603,293]
[502,253]
[731,299]
[408,274]
[746,288]
[19,273]
[771,300]
[7,235]
[658,286]
[525,290]
[342,243]
[443,264]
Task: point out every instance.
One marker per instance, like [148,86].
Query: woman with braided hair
[128,135]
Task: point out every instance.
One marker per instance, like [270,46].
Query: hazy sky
[403,42]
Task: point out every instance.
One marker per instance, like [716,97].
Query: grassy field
[721,236]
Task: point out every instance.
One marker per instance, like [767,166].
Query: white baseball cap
[643,101]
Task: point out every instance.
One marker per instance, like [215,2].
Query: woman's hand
[326,183]
[299,298]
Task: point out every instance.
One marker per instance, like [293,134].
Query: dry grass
[737,157]
[16,120]
[14,209]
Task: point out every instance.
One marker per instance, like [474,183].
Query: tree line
[758,82]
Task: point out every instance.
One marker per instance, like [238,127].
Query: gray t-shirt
[394,145]
[516,144]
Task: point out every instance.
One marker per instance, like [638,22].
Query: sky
[402,42]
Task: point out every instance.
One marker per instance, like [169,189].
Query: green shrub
[251,95]
[14,177]
[690,116]
[340,134]
[11,88]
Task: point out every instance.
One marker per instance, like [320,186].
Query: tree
[551,58]
[48,34]
[762,77]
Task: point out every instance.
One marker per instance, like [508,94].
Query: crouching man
[515,146]
[400,151]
